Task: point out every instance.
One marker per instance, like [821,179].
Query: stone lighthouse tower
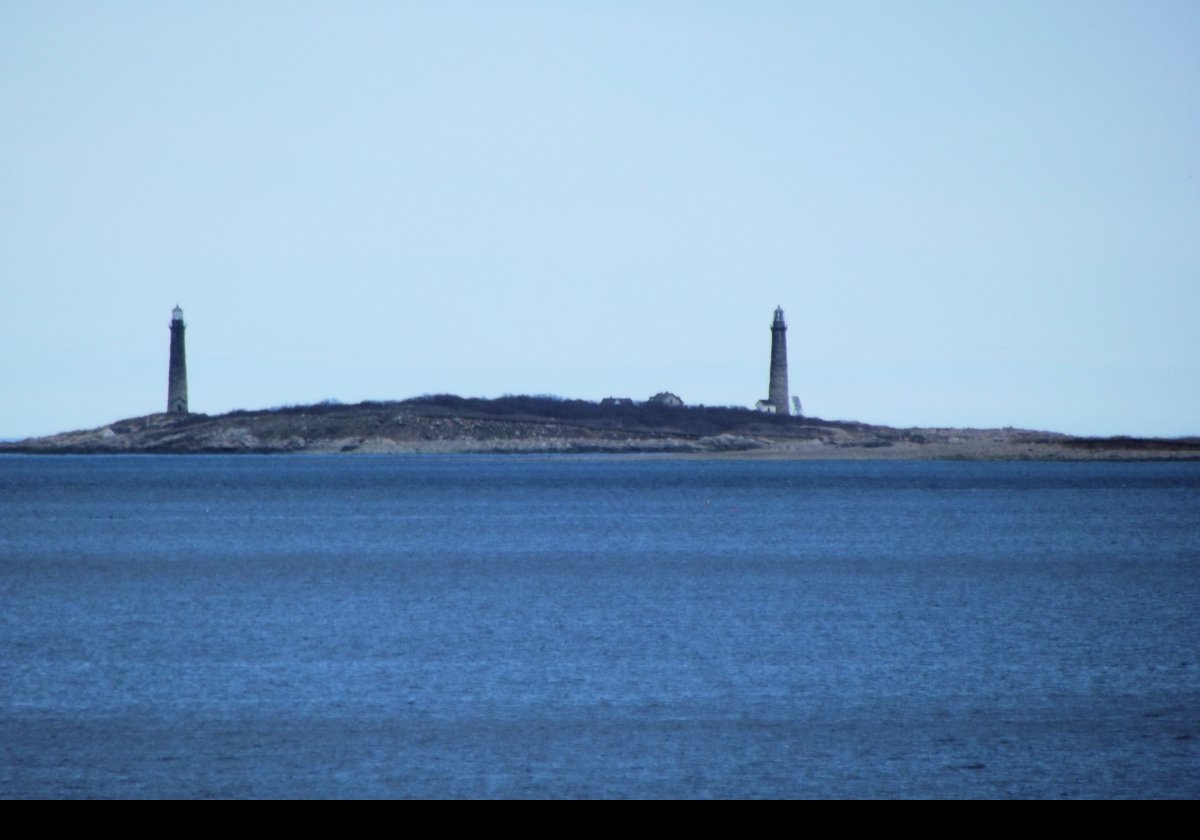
[177,374]
[778,393]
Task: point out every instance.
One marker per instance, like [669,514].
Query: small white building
[666,398]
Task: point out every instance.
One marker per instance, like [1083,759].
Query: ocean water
[568,627]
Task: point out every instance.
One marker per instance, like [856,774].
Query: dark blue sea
[469,626]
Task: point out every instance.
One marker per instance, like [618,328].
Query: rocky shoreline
[532,425]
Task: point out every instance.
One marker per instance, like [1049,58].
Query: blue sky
[974,214]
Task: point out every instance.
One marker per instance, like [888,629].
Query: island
[446,423]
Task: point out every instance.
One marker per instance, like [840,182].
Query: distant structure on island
[177,397]
[777,401]
[665,398]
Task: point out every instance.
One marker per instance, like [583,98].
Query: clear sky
[973,213]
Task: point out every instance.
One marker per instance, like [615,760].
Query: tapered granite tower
[778,393]
[177,374]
